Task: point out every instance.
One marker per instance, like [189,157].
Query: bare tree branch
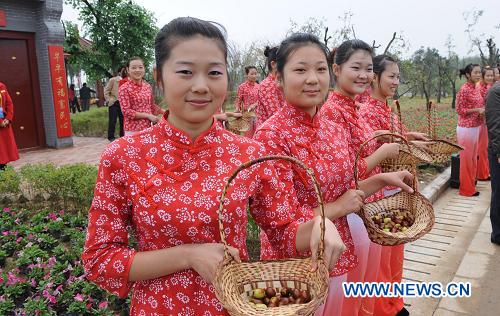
[390,43]
[326,38]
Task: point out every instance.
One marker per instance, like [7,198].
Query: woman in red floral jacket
[353,69]
[269,94]
[247,96]
[8,147]
[297,130]
[163,186]
[470,109]
[379,116]
[483,168]
[136,99]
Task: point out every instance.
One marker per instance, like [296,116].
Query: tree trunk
[454,91]
[440,89]
[426,93]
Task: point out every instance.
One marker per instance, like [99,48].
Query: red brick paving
[84,150]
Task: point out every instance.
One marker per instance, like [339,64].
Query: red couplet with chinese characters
[60,91]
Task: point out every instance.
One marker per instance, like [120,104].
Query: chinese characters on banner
[59,91]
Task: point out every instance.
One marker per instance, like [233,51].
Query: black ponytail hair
[184,28]
[380,63]
[270,53]
[342,53]
[248,68]
[295,41]
[485,69]
[467,70]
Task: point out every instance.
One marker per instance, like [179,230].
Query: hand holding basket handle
[440,149]
[233,280]
[392,135]
[418,208]
[321,246]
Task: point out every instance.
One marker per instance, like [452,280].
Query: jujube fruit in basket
[395,222]
[270,297]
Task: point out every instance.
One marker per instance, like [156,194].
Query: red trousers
[483,168]
[468,138]
[391,270]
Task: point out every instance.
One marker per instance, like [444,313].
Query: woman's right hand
[390,150]
[349,202]
[153,118]
[205,258]
[334,245]
[385,138]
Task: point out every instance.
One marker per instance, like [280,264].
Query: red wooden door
[16,65]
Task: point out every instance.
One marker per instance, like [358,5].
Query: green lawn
[94,123]
[414,116]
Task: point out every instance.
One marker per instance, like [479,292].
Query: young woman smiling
[470,109]
[163,185]
[353,71]
[136,99]
[298,130]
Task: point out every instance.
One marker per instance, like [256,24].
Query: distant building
[32,65]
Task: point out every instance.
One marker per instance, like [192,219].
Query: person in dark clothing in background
[114,110]
[493,126]
[73,100]
[85,97]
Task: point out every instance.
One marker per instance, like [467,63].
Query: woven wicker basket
[440,150]
[234,281]
[406,157]
[241,125]
[418,207]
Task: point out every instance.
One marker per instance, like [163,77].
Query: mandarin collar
[348,104]
[344,99]
[300,115]
[210,136]
[470,85]
[379,105]
[135,84]
[271,77]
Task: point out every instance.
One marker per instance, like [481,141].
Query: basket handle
[358,155]
[250,163]
[393,130]
[398,108]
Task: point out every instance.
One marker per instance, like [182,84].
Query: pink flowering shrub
[41,272]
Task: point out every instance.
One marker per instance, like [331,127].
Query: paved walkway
[457,249]
[85,150]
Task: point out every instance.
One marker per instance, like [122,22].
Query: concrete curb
[438,186]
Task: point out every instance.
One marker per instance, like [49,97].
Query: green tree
[117,29]
[450,65]
[240,57]
[424,72]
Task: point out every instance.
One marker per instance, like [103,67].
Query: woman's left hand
[226,115]
[334,246]
[423,145]
[252,107]
[4,123]
[417,136]
[399,179]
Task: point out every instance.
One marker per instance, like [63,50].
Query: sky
[426,23]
